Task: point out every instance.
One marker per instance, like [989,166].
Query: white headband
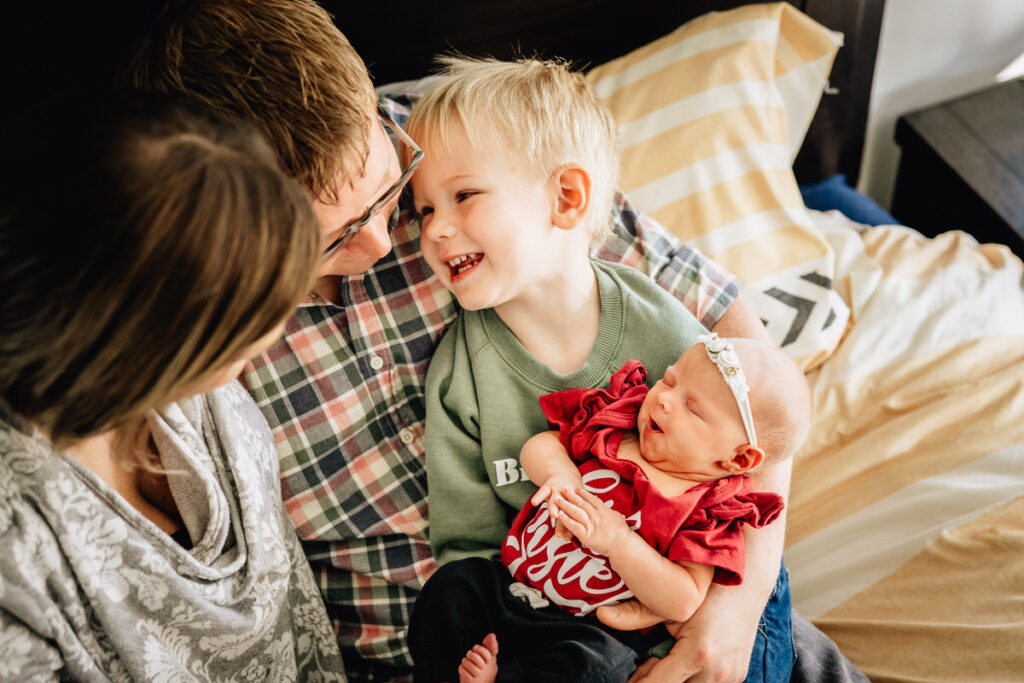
[724,356]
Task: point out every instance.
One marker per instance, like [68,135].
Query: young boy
[665,463]
[516,182]
[519,168]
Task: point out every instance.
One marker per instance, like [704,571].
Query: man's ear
[747,458]
[571,184]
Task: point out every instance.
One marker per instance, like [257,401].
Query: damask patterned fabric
[93,591]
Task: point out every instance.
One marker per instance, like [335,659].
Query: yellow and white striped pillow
[710,118]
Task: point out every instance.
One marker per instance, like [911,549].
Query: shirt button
[376,362]
[406,436]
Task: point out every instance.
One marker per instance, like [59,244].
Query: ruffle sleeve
[712,532]
[586,418]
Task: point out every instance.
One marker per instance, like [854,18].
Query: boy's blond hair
[543,111]
[280,64]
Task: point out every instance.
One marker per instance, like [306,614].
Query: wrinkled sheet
[905,538]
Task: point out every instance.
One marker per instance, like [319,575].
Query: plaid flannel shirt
[343,393]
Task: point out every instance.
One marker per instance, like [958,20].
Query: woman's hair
[143,245]
[543,111]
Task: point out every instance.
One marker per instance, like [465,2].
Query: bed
[905,538]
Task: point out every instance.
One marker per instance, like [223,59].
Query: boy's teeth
[459,259]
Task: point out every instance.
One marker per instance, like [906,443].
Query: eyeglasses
[355,226]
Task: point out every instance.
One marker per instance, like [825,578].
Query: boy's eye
[424,211]
[464,195]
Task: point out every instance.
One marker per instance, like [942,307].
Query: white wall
[931,51]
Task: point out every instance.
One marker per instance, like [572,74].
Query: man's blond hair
[280,64]
[543,111]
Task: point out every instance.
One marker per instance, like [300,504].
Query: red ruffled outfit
[703,525]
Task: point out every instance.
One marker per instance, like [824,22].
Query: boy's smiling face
[487,221]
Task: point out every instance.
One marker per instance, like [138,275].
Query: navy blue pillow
[835,193]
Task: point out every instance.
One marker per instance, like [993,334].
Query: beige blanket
[906,532]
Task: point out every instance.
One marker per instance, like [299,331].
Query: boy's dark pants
[465,600]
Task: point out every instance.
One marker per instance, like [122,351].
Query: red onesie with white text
[703,525]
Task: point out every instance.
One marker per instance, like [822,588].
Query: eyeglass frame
[353,228]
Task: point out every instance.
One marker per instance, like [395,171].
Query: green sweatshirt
[482,397]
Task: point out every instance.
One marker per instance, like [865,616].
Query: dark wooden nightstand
[962,166]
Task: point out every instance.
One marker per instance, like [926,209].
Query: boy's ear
[572,196]
[747,458]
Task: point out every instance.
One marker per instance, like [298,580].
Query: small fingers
[597,509]
[560,530]
[478,656]
[585,498]
[573,525]
[556,504]
[556,501]
[542,494]
[480,659]
[569,503]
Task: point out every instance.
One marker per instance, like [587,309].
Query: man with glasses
[387,204]
[383,179]
[343,390]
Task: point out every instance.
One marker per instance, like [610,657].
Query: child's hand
[593,523]
[553,491]
[555,484]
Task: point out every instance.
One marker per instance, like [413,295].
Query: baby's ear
[571,184]
[747,458]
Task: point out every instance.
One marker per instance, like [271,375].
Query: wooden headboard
[48,43]
[398,40]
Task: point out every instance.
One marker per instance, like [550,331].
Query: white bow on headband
[723,355]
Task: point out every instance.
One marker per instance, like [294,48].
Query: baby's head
[723,408]
[530,141]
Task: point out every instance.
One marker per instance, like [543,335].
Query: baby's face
[689,420]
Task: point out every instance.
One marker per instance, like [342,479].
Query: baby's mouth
[461,264]
[654,426]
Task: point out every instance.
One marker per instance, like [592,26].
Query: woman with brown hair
[147,252]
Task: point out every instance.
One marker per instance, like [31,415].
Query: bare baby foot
[480,665]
